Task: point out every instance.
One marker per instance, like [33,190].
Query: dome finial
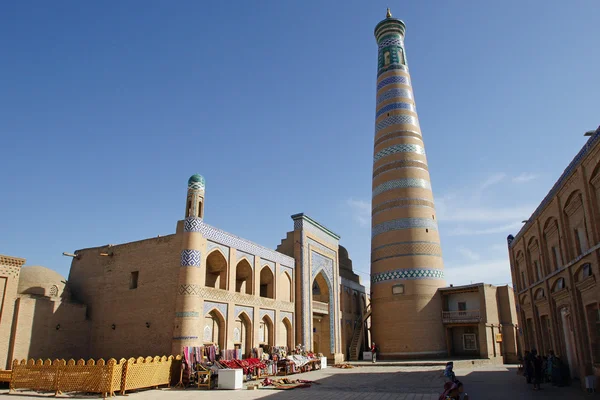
[388,14]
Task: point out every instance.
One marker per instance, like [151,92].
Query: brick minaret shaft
[406,257]
[187,330]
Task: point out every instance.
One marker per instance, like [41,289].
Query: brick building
[198,286]
[480,321]
[554,264]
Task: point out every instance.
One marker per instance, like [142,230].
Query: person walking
[373,352]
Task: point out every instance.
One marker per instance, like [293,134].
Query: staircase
[359,333]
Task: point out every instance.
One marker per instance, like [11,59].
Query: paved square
[376,382]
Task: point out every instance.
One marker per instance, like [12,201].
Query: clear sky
[106,109]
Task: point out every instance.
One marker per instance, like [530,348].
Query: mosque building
[204,286]
[195,287]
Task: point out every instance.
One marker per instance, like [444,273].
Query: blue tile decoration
[399,148]
[248,256]
[189,290]
[403,223]
[318,263]
[404,202]
[394,80]
[559,183]
[190,258]
[185,337]
[396,119]
[187,314]
[406,249]
[392,67]
[288,315]
[269,264]
[401,133]
[193,224]
[221,307]
[400,164]
[395,56]
[395,93]
[390,40]
[302,222]
[407,274]
[398,105]
[270,313]
[210,246]
[402,183]
[196,182]
[248,310]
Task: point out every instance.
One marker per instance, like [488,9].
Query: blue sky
[106,108]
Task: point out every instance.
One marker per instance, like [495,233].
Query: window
[523,280]
[133,281]
[556,257]
[538,270]
[469,341]
[316,290]
[462,306]
[398,289]
[560,284]
[582,245]
[586,271]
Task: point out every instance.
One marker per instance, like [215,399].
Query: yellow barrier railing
[92,376]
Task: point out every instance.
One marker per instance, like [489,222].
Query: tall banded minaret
[406,257]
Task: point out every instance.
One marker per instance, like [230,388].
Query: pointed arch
[265,331]
[216,270]
[243,276]
[214,328]
[286,330]
[576,225]
[266,282]
[242,333]
[285,287]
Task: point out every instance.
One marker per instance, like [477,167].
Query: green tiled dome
[196,182]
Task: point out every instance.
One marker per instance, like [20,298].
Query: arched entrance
[286,326]
[214,329]
[321,318]
[216,270]
[265,331]
[242,334]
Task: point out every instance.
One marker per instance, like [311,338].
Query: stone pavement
[374,383]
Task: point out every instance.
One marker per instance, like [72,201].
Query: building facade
[198,286]
[406,257]
[480,321]
[554,264]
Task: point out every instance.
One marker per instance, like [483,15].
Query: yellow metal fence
[92,376]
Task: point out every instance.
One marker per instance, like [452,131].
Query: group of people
[539,369]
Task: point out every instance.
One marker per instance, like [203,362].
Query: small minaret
[188,307]
[406,257]
[195,197]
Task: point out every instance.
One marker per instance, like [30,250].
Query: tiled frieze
[403,223]
[402,183]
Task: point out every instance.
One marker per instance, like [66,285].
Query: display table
[231,379]
[323,362]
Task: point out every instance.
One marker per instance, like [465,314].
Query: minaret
[406,258]
[187,325]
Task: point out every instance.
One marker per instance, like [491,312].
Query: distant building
[480,322]
[554,264]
